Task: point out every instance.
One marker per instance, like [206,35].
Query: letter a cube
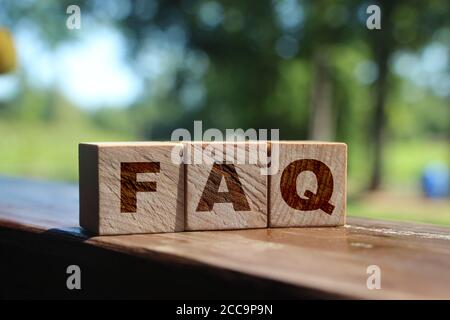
[225,188]
[131,187]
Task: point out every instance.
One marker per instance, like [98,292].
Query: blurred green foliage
[287,64]
[41,133]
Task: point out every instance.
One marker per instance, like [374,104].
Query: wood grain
[310,186]
[332,262]
[224,194]
[131,188]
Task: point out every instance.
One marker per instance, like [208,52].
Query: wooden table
[40,237]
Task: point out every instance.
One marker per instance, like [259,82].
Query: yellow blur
[8,60]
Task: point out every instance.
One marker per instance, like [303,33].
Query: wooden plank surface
[414,259]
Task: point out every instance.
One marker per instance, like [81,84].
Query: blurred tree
[402,28]
[259,64]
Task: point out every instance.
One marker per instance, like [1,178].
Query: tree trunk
[381,47]
[379,123]
[321,120]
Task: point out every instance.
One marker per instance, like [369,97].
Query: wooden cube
[310,186]
[222,191]
[131,187]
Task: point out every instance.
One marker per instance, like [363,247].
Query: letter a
[74,280]
[235,194]
[74,20]
[373,21]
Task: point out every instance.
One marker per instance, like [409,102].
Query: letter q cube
[309,189]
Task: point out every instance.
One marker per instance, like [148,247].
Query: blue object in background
[435,180]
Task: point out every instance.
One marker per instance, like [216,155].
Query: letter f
[129,186]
